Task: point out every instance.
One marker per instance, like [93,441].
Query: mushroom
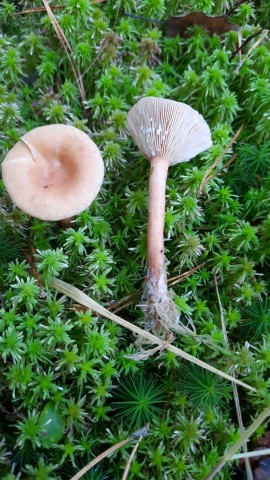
[166,132]
[54,172]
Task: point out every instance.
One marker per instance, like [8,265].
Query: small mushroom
[53,172]
[166,132]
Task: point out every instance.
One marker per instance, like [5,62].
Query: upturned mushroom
[166,132]
[54,172]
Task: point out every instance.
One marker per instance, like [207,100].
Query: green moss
[58,358]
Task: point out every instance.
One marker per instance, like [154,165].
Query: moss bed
[68,391]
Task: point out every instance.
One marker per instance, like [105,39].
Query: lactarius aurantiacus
[53,172]
[166,132]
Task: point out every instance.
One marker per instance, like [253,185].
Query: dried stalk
[240,47]
[232,451]
[53,7]
[255,45]
[82,298]
[100,457]
[32,263]
[255,453]
[64,42]
[139,433]
[130,460]
[235,391]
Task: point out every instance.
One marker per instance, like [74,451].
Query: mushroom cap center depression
[58,173]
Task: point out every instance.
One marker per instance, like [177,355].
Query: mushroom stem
[67,222]
[156,214]
[160,311]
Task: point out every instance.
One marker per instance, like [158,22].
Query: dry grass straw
[88,302]
[235,391]
[64,42]
[254,454]
[53,7]
[130,460]
[100,457]
[230,454]
[139,433]
[255,45]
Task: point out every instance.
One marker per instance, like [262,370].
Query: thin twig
[232,451]
[235,391]
[65,44]
[185,274]
[255,453]
[139,433]
[82,298]
[239,36]
[124,306]
[39,9]
[32,263]
[210,169]
[91,65]
[231,160]
[255,45]
[53,7]
[136,17]
[132,455]
[100,457]
[229,12]
[223,168]
[141,355]
[245,43]
[123,300]
[182,276]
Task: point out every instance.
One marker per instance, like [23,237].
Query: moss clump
[53,352]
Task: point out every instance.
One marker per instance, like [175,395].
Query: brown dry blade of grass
[139,433]
[232,450]
[255,45]
[231,160]
[53,7]
[235,390]
[254,453]
[223,168]
[242,45]
[32,264]
[100,457]
[38,9]
[182,276]
[83,299]
[126,305]
[64,42]
[129,300]
[210,169]
[130,460]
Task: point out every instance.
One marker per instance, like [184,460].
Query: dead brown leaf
[215,25]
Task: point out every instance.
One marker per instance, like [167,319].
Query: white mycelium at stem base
[167,133]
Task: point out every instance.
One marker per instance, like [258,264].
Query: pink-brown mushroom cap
[53,172]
